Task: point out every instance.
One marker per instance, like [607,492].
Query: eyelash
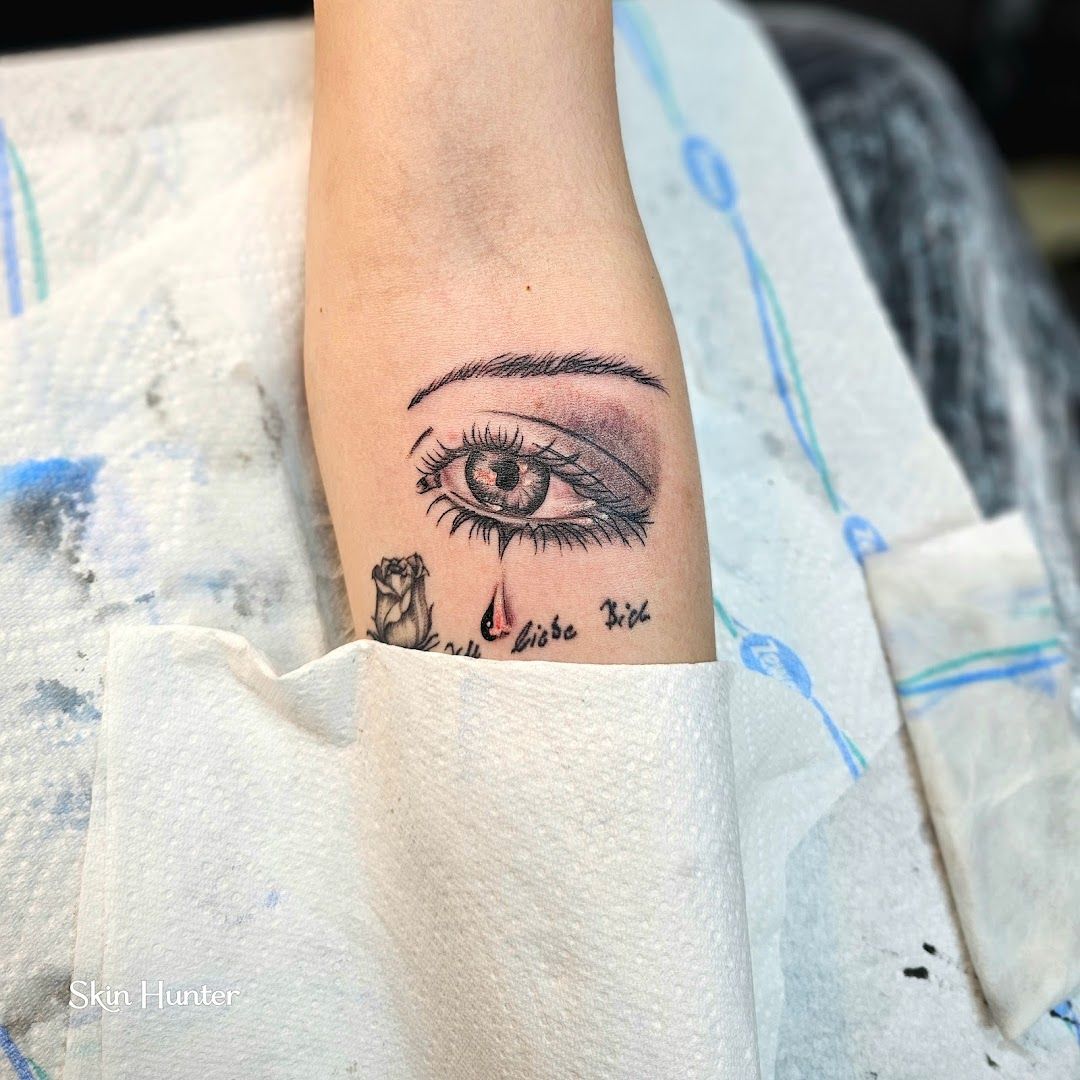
[620,522]
[475,439]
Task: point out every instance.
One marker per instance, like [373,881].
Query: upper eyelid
[594,480]
[587,478]
[632,472]
[469,439]
[423,435]
[569,432]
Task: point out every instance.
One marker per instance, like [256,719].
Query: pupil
[507,474]
[507,483]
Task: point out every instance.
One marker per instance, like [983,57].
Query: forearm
[469,202]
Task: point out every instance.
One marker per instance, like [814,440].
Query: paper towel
[727,177]
[983,678]
[116,140]
[124,498]
[877,971]
[172,220]
[409,865]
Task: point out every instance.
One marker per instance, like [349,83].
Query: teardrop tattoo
[497,621]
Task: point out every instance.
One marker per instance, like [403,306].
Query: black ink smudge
[273,423]
[154,396]
[36,1000]
[107,611]
[53,696]
[917,973]
[49,503]
[71,807]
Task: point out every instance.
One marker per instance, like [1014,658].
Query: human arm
[493,376]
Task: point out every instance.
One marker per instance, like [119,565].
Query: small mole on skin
[917,973]
[528,288]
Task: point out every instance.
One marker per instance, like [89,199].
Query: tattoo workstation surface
[522,458]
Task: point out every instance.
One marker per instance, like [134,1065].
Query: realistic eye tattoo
[579,471]
[516,477]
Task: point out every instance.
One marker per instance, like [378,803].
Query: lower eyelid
[544,532]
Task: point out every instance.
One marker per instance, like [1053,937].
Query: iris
[506,482]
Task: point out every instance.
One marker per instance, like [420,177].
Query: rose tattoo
[402,612]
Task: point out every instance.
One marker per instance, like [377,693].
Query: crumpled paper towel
[974,645]
[415,866]
[161,359]
[810,427]
[149,440]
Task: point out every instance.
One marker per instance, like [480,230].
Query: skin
[469,198]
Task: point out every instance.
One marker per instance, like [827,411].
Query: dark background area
[1019,60]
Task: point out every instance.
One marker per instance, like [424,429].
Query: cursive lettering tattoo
[538,636]
[625,614]
[402,612]
[472,649]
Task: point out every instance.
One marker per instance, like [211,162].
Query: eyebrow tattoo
[526,366]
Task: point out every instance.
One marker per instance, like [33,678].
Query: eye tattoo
[550,467]
[501,483]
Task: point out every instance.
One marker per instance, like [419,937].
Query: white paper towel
[877,972]
[161,364]
[727,177]
[984,683]
[126,498]
[413,866]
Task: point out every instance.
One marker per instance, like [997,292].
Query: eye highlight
[534,482]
